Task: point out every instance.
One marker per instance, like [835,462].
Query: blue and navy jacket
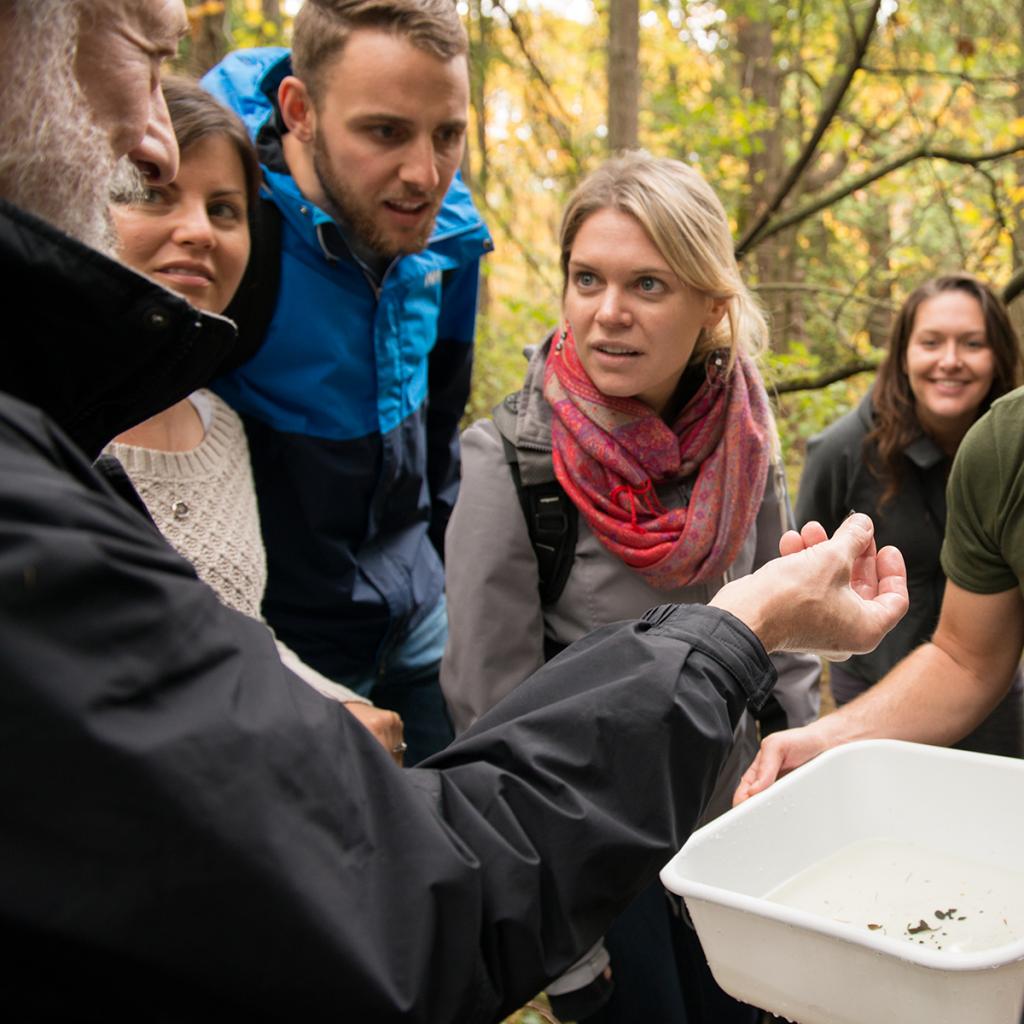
[352,406]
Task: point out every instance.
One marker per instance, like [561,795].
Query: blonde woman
[646,408]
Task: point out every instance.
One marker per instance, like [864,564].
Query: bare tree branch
[818,177]
[897,72]
[947,209]
[909,231]
[828,112]
[1013,287]
[560,119]
[815,382]
[498,218]
[820,289]
[918,153]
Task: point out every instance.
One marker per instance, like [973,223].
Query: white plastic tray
[814,969]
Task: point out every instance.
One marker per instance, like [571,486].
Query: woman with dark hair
[952,352]
[190,463]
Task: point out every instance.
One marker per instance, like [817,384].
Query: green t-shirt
[983,550]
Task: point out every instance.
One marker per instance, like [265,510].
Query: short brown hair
[322,28]
[196,115]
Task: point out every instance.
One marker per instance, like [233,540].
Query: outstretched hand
[833,597]
[854,596]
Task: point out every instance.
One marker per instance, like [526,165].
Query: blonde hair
[688,225]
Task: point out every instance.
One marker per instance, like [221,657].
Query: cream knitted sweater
[204,503]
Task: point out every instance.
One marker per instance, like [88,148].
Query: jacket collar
[922,451]
[104,348]
[533,414]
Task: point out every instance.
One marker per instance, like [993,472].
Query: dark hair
[895,420]
[196,115]
[322,28]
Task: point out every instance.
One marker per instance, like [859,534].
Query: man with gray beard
[56,157]
[188,831]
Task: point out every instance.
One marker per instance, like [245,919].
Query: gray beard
[54,161]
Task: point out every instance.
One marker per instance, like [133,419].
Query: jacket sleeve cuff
[721,637]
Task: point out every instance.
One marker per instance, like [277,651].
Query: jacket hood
[101,348]
[533,414]
[247,81]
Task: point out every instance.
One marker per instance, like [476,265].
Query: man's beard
[357,214]
[54,160]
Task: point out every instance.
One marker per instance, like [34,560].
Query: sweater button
[156,320]
[180,509]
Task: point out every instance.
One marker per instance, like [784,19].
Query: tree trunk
[879,238]
[773,260]
[623,74]
[209,37]
[478,178]
[1018,104]
[1016,304]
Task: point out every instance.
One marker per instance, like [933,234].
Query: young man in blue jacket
[353,399]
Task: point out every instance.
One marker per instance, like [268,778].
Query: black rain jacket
[188,832]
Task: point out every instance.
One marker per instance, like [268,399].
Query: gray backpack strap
[551,518]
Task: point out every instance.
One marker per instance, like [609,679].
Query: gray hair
[55,161]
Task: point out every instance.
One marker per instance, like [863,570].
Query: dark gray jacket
[496,623]
[837,478]
[188,832]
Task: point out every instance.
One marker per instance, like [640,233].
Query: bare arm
[941,691]
[937,694]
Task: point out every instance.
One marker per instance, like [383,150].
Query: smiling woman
[645,419]
[952,352]
[192,234]
[190,463]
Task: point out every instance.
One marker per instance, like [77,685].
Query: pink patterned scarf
[610,453]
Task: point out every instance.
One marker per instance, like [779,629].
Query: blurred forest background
[859,148]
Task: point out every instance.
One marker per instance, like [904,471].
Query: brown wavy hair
[196,115]
[895,420]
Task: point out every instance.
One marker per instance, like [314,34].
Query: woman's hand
[385,726]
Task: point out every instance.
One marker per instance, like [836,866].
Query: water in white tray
[912,893]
